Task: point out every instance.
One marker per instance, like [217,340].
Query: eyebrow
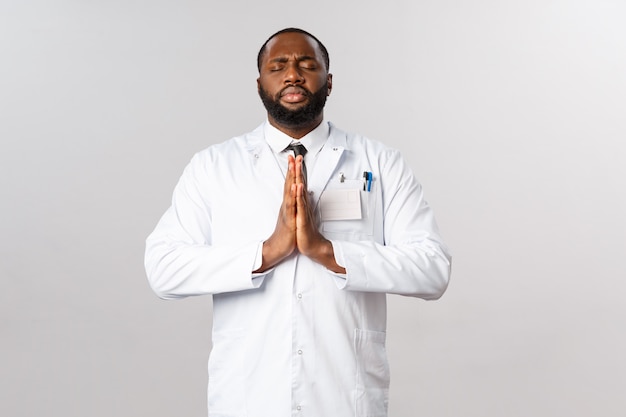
[300,58]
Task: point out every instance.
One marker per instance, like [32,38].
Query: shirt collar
[312,141]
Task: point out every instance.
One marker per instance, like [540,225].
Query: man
[298,253]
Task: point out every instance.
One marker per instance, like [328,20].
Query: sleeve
[412,260]
[180,259]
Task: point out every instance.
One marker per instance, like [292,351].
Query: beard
[298,117]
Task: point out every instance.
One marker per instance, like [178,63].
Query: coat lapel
[263,158]
[326,164]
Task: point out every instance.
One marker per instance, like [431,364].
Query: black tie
[299,149]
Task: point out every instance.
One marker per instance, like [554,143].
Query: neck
[299,131]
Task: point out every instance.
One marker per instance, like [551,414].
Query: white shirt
[298,340]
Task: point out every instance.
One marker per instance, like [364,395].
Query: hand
[308,238]
[282,242]
[296,227]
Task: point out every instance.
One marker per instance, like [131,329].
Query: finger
[298,199]
[302,209]
[290,176]
[299,191]
[302,193]
[291,163]
[298,169]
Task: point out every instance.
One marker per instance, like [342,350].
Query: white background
[512,114]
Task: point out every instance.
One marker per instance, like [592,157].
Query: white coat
[299,340]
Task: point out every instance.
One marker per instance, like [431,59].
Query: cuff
[340,279]
[258,277]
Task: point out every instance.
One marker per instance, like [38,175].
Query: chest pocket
[357,229]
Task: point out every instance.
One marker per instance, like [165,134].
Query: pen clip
[367,181]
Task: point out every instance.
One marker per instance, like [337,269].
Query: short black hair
[293,30]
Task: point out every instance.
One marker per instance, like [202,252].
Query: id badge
[341,204]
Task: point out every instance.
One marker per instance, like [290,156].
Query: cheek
[269,87]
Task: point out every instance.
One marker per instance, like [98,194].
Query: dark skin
[292,62]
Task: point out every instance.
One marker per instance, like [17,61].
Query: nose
[293,75]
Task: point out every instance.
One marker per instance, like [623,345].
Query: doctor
[299,252]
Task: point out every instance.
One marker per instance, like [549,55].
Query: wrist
[272,253]
[324,254]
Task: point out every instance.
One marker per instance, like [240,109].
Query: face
[294,81]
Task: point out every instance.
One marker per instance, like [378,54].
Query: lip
[294,94]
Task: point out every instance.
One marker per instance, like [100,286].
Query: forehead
[292,44]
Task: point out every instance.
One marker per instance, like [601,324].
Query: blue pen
[369,181]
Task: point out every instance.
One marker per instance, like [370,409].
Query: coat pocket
[371,394]
[359,229]
[226,392]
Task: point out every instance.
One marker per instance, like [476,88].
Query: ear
[258,83]
[329,82]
